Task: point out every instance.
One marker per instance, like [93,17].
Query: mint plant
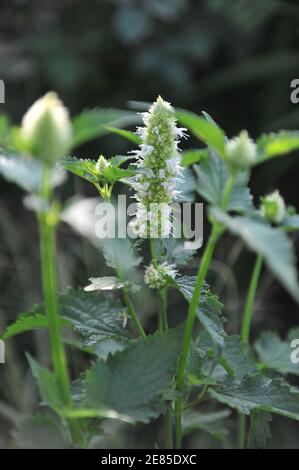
[135,376]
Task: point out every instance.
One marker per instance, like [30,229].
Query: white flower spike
[159,164]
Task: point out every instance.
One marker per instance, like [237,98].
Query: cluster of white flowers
[273,207]
[159,170]
[156,277]
[46,128]
[240,152]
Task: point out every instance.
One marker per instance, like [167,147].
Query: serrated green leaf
[276,144]
[259,430]
[95,318]
[85,168]
[269,242]
[47,385]
[235,356]
[93,123]
[206,131]
[212,175]
[259,393]
[28,322]
[88,170]
[131,382]
[275,353]
[209,307]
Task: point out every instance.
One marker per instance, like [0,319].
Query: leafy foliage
[40,432]
[205,130]
[26,173]
[209,308]
[212,175]
[88,170]
[259,393]
[97,319]
[267,241]
[277,144]
[27,322]
[93,123]
[212,423]
[275,353]
[132,381]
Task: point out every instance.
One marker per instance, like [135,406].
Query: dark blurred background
[232,58]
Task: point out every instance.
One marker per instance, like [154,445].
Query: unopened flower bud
[240,152]
[273,208]
[46,128]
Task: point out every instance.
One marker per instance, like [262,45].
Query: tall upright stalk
[49,284]
[201,275]
[245,334]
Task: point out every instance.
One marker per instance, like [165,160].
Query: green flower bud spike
[240,152]
[46,129]
[273,208]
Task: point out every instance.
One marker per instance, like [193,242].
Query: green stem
[163,326]
[245,330]
[49,283]
[245,334]
[201,275]
[132,313]
[131,310]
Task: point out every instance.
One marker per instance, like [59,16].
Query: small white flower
[157,277]
[273,207]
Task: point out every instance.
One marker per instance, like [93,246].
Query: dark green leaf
[259,393]
[212,423]
[47,385]
[131,382]
[95,318]
[93,123]
[28,322]
[270,242]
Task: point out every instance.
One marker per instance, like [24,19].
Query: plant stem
[49,283]
[163,326]
[132,313]
[245,334]
[201,275]
[245,330]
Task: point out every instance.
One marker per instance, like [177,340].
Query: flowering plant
[190,365]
